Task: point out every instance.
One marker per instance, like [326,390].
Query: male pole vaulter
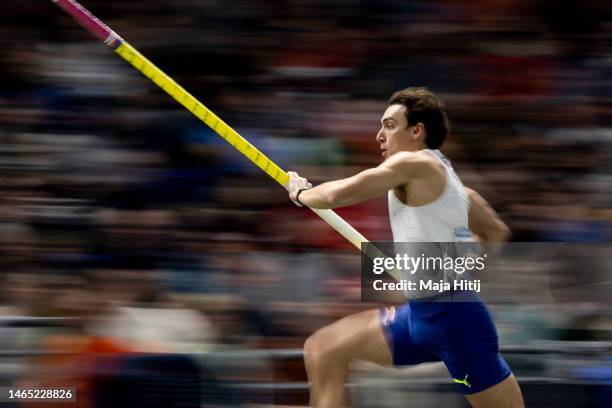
[427,203]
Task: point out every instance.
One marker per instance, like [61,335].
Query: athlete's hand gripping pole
[146,67]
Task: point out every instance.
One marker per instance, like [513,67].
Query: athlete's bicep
[484,221]
[396,171]
[374,182]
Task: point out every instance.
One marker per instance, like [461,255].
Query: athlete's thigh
[506,394]
[470,351]
[405,336]
[359,336]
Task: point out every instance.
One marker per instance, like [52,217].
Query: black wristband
[297,196]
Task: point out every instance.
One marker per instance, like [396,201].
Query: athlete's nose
[380,137]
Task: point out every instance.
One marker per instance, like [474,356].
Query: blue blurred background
[148,264]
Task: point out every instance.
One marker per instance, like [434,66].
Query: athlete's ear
[418,132]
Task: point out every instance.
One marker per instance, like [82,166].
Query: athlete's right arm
[395,171]
[484,221]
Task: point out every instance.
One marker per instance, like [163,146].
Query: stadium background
[146,232]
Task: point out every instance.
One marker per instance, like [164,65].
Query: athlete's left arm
[397,170]
[484,221]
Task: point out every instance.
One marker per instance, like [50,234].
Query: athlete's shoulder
[420,160]
[410,157]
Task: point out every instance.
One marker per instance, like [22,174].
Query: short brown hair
[423,106]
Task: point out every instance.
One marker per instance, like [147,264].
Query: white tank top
[443,220]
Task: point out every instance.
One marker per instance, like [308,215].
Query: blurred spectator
[121,212]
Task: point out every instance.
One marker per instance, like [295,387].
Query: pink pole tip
[85,18]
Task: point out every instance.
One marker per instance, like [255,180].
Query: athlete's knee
[313,347]
[311,356]
[318,348]
[310,345]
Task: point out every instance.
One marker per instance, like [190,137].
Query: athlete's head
[415,119]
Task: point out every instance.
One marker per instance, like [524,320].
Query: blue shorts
[457,330]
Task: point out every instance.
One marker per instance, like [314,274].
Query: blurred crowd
[146,232]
